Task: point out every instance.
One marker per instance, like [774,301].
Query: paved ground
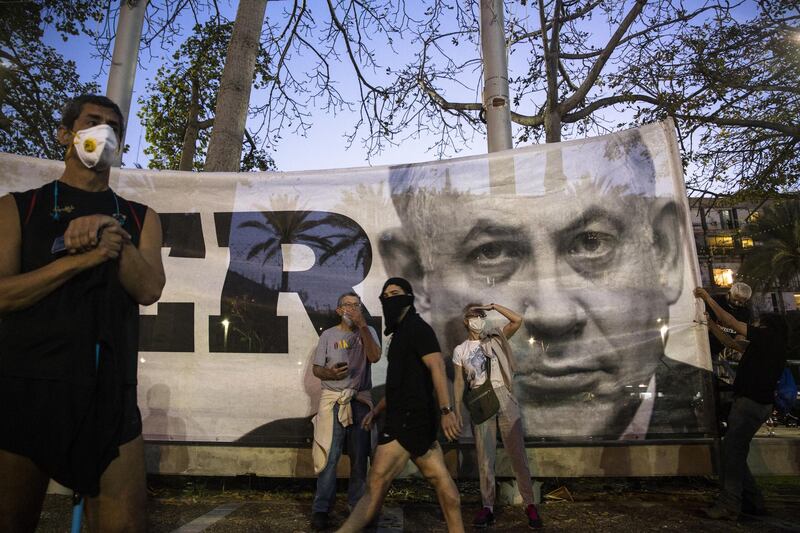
[227,505]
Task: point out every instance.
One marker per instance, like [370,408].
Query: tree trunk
[225,146]
[284,281]
[778,292]
[190,136]
[552,111]
[552,124]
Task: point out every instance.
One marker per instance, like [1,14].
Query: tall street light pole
[125,57]
[496,102]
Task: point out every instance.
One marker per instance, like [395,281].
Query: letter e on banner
[172,328]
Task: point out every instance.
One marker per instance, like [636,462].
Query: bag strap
[488,363]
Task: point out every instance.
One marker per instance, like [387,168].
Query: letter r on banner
[249,322]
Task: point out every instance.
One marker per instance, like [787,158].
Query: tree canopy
[727,72]
[178,110]
[774,261]
[732,83]
[35,80]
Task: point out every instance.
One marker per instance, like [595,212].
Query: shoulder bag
[482,402]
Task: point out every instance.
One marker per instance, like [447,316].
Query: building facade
[722,244]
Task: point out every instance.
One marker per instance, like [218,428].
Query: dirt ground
[280,505]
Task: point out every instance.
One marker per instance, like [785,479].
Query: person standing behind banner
[734,302]
[489,350]
[76,261]
[763,360]
[342,361]
[416,388]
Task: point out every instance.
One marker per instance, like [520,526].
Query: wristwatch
[446,410]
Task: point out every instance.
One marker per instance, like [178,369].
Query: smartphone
[340,364]
[58,246]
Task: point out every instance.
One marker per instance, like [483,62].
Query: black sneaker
[534,520]
[484,518]
[319,521]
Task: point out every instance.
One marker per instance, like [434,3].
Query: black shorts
[131,416]
[414,430]
[43,423]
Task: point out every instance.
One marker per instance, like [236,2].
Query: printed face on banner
[584,249]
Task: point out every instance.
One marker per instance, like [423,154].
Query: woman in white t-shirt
[472,359]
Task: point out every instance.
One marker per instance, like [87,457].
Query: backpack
[786,392]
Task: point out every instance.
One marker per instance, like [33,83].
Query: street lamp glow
[225,323]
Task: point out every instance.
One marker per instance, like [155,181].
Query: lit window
[722,241]
[797,300]
[729,218]
[723,277]
[747,242]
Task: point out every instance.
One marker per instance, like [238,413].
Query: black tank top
[56,337]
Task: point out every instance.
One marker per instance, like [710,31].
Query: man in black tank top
[76,261]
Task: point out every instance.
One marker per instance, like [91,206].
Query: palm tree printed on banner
[351,237]
[289,227]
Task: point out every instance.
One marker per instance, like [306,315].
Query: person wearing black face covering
[416,390]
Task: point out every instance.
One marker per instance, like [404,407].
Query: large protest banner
[589,240]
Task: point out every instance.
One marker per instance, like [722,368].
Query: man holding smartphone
[76,262]
[342,362]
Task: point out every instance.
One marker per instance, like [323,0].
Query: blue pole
[77,508]
[77,514]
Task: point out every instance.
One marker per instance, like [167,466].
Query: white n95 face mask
[96,146]
[476,324]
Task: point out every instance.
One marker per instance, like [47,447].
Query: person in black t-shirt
[76,261]
[416,388]
[763,360]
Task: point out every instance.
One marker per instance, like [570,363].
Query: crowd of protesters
[76,260]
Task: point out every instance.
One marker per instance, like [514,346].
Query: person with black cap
[416,389]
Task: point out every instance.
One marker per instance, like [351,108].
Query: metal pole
[125,57]
[496,94]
